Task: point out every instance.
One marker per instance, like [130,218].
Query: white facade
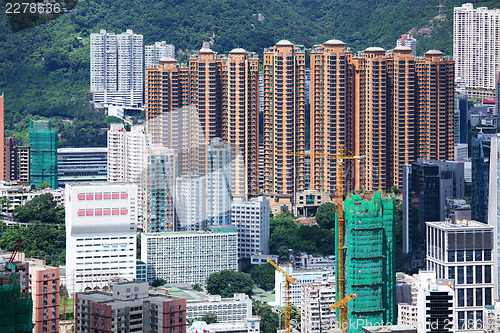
[189,257]
[190,202]
[153,53]
[126,152]
[462,251]
[461,151]
[228,310]
[492,317]
[304,278]
[315,313]
[252,220]
[218,183]
[101,223]
[407,41]
[435,304]
[116,68]
[249,325]
[476,41]
[494,206]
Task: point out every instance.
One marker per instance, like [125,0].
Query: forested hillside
[45,70]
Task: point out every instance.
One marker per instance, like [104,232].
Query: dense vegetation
[45,238]
[227,283]
[263,276]
[286,234]
[45,70]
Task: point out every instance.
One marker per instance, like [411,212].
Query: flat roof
[459,224]
[83,150]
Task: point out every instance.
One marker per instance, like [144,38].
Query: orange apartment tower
[400,114]
[331,116]
[240,119]
[435,130]
[284,118]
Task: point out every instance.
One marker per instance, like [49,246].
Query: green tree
[263,276]
[43,185]
[197,287]
[5,203]
[41,209]
[269,319]
[209,318]
[325,216]
[226,283]
[158,282]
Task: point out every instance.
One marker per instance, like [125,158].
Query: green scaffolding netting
[43,153]
[369,260]
[16,309]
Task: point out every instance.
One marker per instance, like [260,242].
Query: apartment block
[82,165]
[228,310]
[190,202]
[157,186]
[130,308]
[408,41]
[252,220]
[218,183]
[116,68]
[315,313]
[17,162]
[462,252]
[153,53]
[44,288]
[189,257]
[284,118]
[476,33]
[101,225]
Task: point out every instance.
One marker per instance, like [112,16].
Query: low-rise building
[78,165]
[189,257]
[19,195]
[315,313]
[250,325]
[491,322]
[129,308]
[228,310]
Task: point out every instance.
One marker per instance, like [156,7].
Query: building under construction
[369,260]
[43,143]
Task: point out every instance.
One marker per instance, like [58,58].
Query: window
[451,273]
[478,255]
[460,275]
[487,274]
[460,297]
[487,296]
[487,255]
[479,274]
[479,297]
[469,255]
[470,297]
[451,256]
[470,274]
[460,256]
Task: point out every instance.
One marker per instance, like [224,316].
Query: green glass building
[43,156]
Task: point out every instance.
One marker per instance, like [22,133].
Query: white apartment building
[304,278]
[249,325]
[21,195]
[462,251]
[116,68]
[218,183]
[492,317]
[126,152]
[406,298]
[189,257]
[153,53]
[101,223]
[493,206]
[315,313]
[476,41]
[252,220]
[157,186]
[435,304]
[408,41]
[228,310]
[190,202]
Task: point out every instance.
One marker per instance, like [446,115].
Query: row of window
[102,195]
[102,211]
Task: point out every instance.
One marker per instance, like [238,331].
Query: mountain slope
[45,70]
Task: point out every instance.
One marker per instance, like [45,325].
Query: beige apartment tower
[284,118]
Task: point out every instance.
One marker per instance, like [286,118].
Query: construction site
[43,143]
[368,253]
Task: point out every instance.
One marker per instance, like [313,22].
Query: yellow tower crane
[343,320]
[289,280]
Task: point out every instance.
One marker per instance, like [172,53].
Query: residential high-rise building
[252,220]
[190,202]
[101,224]
[369,269]
[475,48]
[315,313]
[131,308]
[480,163]
[218,183]
[2,134]
[126,152]
[116,68]
[493,206]
[23,164]
[43,153]
[427,185]
[240,119]
[82,165]
[17,162]
[153,53]
[157,185]
[462,251]
[189,257]
[44,288]
[435,103]
[408,41]
[497,92]
[461,114]
[284,118]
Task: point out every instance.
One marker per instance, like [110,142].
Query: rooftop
[463,224]
[334,42]
[284,42]
[375,49]
[434,52]
[82,150]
